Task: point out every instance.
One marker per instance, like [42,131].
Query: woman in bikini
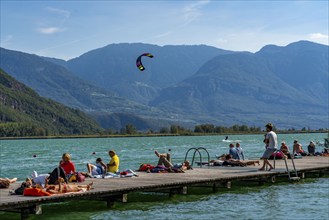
[63,187]
[227,160]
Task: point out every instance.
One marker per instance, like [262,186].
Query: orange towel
[35,192]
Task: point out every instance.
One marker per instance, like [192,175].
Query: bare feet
[271,168]
[89,185]
[157,153]
[12,180]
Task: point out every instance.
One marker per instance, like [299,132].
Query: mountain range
[24,113]
[185,85]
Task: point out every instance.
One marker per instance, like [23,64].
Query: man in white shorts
[271,142]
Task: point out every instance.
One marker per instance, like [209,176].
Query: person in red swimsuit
[67,164]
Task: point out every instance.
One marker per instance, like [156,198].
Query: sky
[68,29]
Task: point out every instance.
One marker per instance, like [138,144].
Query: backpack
[80,177]
[20,190]
[77,177]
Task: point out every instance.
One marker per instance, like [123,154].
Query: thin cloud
[45,51]
[50,30]
[64,13]
[189,14]
[6,41]
[163,34]
[59,16]
[318,36]
[192,11]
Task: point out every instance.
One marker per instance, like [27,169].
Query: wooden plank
[106,188]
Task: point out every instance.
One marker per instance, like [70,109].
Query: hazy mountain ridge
[25,107]
[114,67]
[306,69]
[229,86]
[200,84]
[56,82]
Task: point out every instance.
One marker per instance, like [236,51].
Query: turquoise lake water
[308,199]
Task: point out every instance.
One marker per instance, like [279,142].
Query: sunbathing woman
[227,160]
[63,187]
[230,161]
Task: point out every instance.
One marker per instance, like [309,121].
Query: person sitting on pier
[5,182]
[311,149]
[239,151]
[298,149]
[113,165]
[233,151]
[96,169]
[285,150]
[67,165]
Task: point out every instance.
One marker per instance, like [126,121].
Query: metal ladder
[295,178]
[197,150]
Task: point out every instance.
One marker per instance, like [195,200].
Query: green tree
[131,129]
[164,130]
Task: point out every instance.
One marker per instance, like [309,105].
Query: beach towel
[35,192]
[123,174]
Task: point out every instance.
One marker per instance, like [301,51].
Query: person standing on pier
[271,142]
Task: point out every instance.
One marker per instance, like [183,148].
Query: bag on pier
[77,177]
[277,155]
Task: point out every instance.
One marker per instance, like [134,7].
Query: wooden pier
[117,189]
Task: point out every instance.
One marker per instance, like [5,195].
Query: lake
[308,199]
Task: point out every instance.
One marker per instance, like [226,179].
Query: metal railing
[195,151]
[286,163]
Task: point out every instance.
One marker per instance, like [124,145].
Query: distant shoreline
[153,135]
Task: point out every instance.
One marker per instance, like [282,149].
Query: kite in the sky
[139,61]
